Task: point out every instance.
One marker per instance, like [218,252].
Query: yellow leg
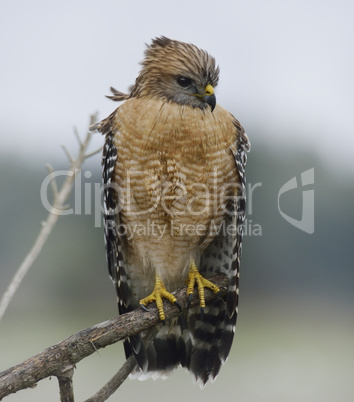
[195,277]
[158,293]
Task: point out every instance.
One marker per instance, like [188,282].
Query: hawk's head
[179,72]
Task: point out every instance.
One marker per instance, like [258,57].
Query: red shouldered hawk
[174,198]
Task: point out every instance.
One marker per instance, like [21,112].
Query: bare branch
[113,384]
[93,153]
[122,374]
[65,380]
[68,154]
[77,136]
[53,360]
[60,197]
[27,262]
[53,181]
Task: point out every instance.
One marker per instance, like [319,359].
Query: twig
[60,198]
[117,380]
[53,182]
[78,136]
[65,380]
[105,392]
[68,154]
[93,153]
[82,344]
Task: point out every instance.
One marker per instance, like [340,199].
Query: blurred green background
[295,334]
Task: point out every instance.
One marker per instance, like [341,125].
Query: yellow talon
[158,293]
[193,277]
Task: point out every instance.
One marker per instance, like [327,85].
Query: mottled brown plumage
[173,168]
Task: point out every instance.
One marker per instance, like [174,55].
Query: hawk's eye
[184,82]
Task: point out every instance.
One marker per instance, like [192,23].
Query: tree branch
[60,198]
[62,357]
[122,374]
[66,388]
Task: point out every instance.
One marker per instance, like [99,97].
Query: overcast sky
[286,67]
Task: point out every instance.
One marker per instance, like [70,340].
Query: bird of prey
[174,206]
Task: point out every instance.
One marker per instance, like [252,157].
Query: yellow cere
[209,90]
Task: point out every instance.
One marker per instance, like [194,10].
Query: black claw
[163,322]
[144,307]
[218,297]
[178,306]
[189,300]
[202,313]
